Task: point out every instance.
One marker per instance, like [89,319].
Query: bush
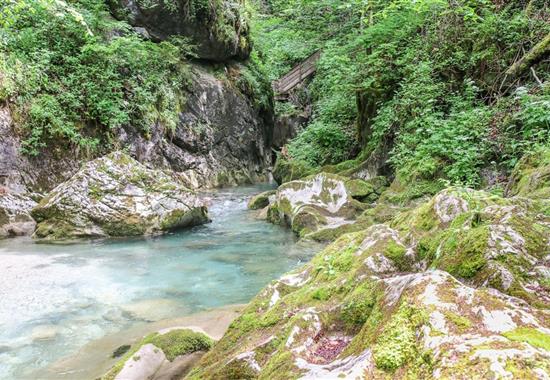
[432,72]
[71,84]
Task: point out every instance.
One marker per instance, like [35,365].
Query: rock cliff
[222,138]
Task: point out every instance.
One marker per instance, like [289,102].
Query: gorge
[169,210]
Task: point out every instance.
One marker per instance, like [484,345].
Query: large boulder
[484,239]
[352,313]
[116,196]
[531,176]
[219,29]
[321,206]
[167,354]
[15,218]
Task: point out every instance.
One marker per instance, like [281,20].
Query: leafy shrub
[72,84]
[432,71]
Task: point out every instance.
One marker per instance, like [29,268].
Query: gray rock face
[20,173]
[116,196]
[15,218]
[221,139]
[218,29]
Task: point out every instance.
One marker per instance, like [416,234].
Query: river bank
[59,298]
[95,358]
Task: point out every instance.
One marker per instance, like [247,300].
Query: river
[54,299]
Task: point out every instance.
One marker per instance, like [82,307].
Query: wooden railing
[295,76]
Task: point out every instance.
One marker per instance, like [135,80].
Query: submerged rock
[321,206]
[15,218]
[116,196]
[167,354]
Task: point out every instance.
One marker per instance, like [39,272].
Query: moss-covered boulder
[531,176]
[116,196]
[484,239]
[167,354]
[286,170]
[322,206]
[353,313]
[15,218]
[261,200]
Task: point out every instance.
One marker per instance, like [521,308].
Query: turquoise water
[56,298]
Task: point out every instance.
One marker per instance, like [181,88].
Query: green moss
[331,234]
[463,253]
[95,192]
[181,342]
[174,343]
[531,176]
[306,220]
[361,190]
[260,200]
[280,367]
[397,253]
[403,192]
[341,167]
[121,351]
[274,215]
[359,305]
[530,335]
[461,323]
[397,344]
[290,170]
[130,226]
[182,218]
[321,294]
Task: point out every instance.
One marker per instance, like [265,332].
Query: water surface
[56,298]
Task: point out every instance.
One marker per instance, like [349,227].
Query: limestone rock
[345,316]
[531,176]
[321,206]
[116,196]
[483,238]
[164,355]
[261,200]
[15,218]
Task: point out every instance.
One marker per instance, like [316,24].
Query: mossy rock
[286,170]
[168,345]
[260,200]
[318,202]
[116,195]
[531,176]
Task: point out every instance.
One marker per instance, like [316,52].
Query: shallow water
[56,298]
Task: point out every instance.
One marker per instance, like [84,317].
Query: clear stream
[56,298]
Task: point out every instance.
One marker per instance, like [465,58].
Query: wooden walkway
[286,83]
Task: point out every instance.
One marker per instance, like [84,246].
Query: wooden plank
[297,74]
